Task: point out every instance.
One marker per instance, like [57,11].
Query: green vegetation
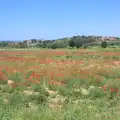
[104,44]
[60,84]
[75,41]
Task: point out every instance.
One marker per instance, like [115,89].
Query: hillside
[74,41]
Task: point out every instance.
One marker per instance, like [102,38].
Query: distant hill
[74,41]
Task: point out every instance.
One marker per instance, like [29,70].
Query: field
[60,84]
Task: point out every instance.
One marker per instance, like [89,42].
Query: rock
[10,82]
[57,100]
[84,92]
[92,88]
[54,100]
[28,92]
[51,92]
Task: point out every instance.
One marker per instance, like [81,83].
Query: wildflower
[104,87]
[14,85]
[113,90]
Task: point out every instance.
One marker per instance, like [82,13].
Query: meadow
[60,84]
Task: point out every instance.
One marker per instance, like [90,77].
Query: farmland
[60,84]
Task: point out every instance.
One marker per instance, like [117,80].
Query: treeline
[75,41]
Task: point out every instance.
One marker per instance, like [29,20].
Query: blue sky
[50,19]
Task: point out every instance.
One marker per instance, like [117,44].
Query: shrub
[104,44]
[54,46]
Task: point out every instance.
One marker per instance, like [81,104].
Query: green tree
[3,44]
[78,44]
[103,44]
[71,43]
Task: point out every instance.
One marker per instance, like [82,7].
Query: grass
[60,84]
